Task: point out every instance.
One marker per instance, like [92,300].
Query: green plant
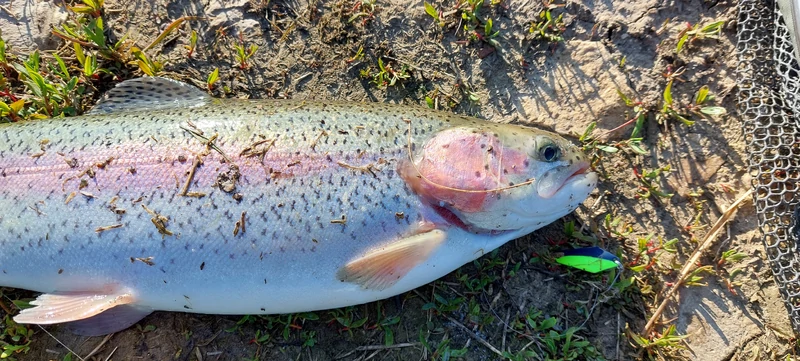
[727,271]
[693,33]
[365,9]
[648,254]
[617,226]
[260,338]
[648,181]
[12,110]
[212,78]
[385,324]
[357,56]
[477,315]
[386,75]
[441,304]
[696,278]
[639,117]
[552,341]
[597,149]
[347,318]
[192,44]
[89,32]
[548,28]
[243,54]
[702,97]
[309,338]
[51,96]
[145,329]
[665,342]
[474,26]
[146,65]
[92,7]
[3,51]
[435,14]
[668,109]
[571,231]
[443,351]
[88,63]
[15,339]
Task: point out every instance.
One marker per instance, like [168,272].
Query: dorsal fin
[149,93]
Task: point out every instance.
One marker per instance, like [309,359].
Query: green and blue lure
[590,259]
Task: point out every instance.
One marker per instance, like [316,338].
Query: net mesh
[768,102]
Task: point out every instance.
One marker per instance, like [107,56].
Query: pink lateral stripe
[137,169]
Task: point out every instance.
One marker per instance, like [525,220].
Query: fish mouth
[581,168]
[556,179]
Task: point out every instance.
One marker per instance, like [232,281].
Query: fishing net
[769,104]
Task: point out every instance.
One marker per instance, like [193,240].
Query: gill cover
[486,177]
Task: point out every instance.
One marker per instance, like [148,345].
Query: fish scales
[304,197]
[285,195]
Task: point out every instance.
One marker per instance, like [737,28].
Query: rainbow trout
[163,198]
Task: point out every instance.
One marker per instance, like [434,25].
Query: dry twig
[690,264]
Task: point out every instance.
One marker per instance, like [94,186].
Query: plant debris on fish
[348,202]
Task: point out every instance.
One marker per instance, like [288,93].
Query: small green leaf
[607,148]
[624,98]
[637,148]
[62,67]
[90,65]
[548,323]
[713,28]
[681,43]
[212,78]
[3,51]
[17,105]
[637,128]
[668,94]
[430,102]
[359,323]
[683,119]
[79,53]
[310,316]
[388,336]
[713,110]
[701,95]
[4,109]
[430,10]
[588,132]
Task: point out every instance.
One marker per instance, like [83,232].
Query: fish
[165,198]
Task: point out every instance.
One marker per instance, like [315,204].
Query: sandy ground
[306,51]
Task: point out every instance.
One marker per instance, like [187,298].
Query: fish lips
[556,179]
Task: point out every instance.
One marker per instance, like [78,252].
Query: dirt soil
[308,50]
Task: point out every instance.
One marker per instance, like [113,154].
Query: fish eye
[549,152]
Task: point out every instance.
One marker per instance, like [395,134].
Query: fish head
[499,177]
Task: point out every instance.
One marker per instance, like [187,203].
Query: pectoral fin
[383,267]
[74,306]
